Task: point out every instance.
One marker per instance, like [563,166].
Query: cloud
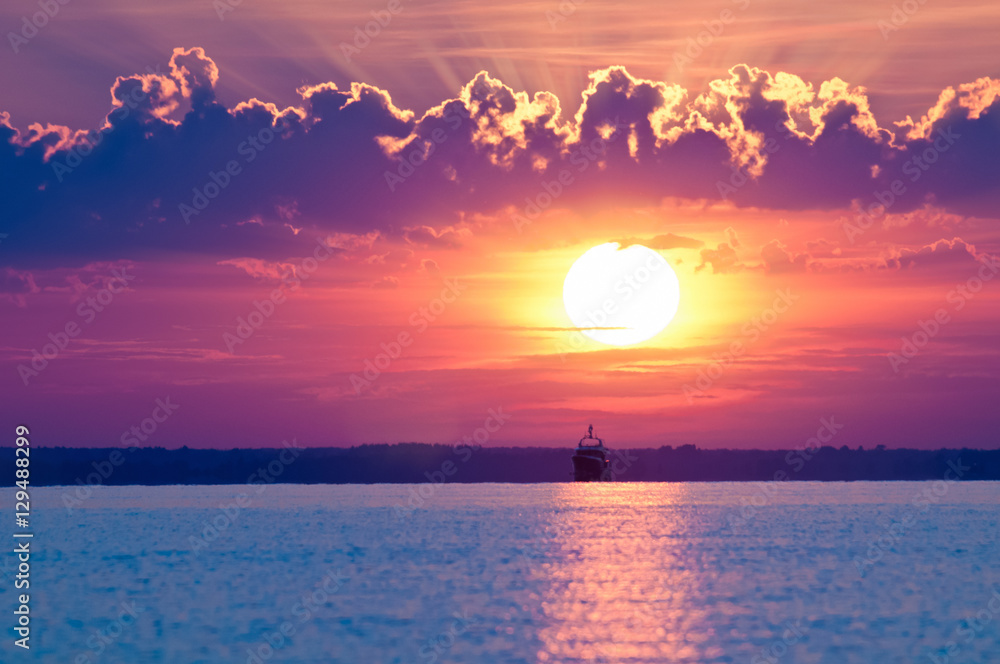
[388,282]
[348,162]
[942,254]
[351,242]
[722,259]
[260,269]
[732,237]
[196,73]
[662,242]
[425,236]
[777,259]
[15,285]
[966,102]
[823,248]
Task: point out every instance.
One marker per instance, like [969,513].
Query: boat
[590,461]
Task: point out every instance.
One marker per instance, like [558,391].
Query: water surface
[499,573]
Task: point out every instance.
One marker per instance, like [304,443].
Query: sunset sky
[824,179]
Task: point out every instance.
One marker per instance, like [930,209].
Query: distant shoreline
[415,463]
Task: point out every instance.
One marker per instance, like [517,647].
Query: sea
[638,573]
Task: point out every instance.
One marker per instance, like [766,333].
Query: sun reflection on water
[613,592]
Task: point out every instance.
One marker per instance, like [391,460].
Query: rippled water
[494,573]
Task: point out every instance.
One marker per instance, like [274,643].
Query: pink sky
[821,116]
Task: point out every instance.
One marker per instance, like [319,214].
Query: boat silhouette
[590,460]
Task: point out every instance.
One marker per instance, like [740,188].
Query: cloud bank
[174,170]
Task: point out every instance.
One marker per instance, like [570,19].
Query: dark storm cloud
[245,181]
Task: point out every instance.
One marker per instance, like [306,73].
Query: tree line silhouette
[418,462]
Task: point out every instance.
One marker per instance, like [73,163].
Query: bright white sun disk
[620,296]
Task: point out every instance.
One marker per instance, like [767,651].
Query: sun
[621,297]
